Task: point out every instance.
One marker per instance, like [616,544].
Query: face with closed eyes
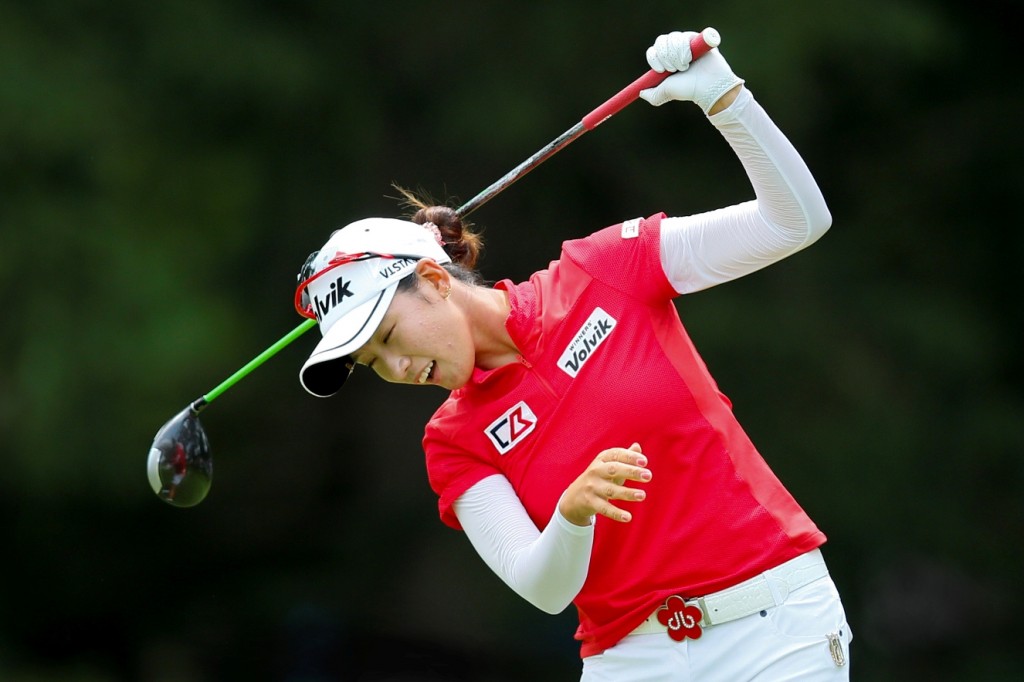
[424,338]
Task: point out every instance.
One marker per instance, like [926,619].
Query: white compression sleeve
[789,212]
[546,568]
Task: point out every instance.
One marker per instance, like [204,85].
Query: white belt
[750,596]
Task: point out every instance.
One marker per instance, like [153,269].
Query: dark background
[165,167]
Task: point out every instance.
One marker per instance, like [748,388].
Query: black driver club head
[180,467]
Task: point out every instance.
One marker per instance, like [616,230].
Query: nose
[397,367]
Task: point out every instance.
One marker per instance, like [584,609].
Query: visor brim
[330,363]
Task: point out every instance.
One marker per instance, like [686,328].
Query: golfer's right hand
[604,481]
[703,80]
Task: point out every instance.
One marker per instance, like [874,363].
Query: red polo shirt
[605,362]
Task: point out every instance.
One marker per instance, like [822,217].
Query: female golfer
[584,448]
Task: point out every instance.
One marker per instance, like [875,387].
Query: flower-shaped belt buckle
[681,618]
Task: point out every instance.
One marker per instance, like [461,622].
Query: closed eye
[383,341]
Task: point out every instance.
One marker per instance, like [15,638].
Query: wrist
[723,102]
[574,518]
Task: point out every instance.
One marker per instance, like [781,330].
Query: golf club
[180,466]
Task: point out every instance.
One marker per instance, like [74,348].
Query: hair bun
[457,237]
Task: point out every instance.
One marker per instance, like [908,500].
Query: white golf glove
[704,81]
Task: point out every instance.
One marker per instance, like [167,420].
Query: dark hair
[460,241]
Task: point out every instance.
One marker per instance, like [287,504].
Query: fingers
[617,466]
[612,512]
[603,484]
[605,507]
[653,60]
[601,502]
[655,96]
[671,51]
[621,464]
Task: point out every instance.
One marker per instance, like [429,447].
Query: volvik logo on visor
[340,288]
[360,281]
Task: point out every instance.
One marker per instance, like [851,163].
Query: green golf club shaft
[253,364]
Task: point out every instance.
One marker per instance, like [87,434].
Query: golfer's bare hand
[604,481]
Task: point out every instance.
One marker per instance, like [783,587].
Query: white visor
[351,299]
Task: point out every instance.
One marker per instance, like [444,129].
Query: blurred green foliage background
[166,166]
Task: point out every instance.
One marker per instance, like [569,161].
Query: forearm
[786,192]
[546,568]
[789,212]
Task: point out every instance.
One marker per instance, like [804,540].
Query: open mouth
[426,374]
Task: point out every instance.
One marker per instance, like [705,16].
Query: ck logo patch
[591,335]
[512,427]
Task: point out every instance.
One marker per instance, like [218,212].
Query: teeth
[425,374]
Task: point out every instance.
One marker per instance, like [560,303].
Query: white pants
[789,642]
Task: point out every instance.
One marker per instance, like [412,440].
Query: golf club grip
[700,45]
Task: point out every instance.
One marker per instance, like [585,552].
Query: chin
[457,383]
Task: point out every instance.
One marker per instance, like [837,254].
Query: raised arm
[789,211]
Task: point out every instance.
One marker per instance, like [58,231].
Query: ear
[434,275]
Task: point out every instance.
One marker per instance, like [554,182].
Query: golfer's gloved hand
[703,81]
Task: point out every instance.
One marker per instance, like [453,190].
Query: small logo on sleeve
[512,427]
[631,229]
[591,335]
